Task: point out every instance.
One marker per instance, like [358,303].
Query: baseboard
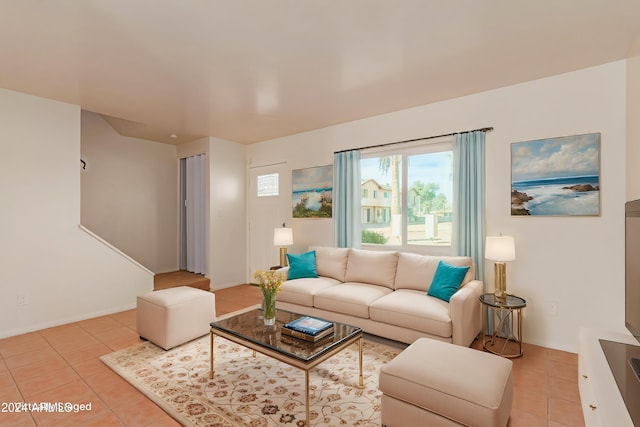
[66,320]
[224,286]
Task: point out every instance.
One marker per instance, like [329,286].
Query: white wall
[226,207]
[228,251]
[66,274]
[130,194]
[576,262]
[633,128]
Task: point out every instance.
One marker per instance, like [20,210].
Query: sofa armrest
[285,271]
[465,313]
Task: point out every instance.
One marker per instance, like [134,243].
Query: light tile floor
[61,365]
[545,388]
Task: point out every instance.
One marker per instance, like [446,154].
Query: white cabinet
[602,403]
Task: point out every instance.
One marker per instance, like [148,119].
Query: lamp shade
[282,236]
[500,248]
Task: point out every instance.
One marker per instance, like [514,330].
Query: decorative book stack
[308,328]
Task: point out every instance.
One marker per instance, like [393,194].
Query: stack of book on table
[308,328]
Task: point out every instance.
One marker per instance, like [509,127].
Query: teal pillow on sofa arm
[302,266]
[446,280]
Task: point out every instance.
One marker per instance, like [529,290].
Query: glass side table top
[510,302]
[250,326]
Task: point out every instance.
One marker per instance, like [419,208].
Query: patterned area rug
[254,391]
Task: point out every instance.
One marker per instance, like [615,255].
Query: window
[416,183]
[267,185]
[365,193]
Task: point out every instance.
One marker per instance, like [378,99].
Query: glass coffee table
[248,329]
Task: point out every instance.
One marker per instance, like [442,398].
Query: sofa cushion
[301,291]
[349,298]
[413,310]
[331,262]
[446,281]
[302,265]
[375,267]
[417,271]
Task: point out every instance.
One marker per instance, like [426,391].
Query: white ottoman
[434,383]
[171,317]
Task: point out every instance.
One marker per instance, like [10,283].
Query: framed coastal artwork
[313,192]
[556,176]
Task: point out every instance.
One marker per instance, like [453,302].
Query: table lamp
[500,249]
[283,237]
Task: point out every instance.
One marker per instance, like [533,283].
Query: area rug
[254,391]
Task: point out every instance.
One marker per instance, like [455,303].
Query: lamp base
[283,257]
[500,269]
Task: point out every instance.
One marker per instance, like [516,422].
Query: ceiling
[254,70]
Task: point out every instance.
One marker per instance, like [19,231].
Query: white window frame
[273,187]
[405,150]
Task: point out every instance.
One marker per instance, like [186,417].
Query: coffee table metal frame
[286,357]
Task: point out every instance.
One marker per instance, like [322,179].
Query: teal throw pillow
[302,265]
[446,281]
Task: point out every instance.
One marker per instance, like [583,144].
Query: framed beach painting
[313,192]
[556,176]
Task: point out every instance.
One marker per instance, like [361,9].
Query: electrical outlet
[552,308]
[22,300]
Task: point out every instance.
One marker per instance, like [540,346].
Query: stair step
[180,278]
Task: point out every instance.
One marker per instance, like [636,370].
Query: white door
[269,207]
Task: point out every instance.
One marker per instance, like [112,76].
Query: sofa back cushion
[331,262]
[416,271]
[374,267]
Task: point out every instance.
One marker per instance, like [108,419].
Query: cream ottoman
[434,383]
[171,317]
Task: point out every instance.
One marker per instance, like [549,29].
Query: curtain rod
[488,129]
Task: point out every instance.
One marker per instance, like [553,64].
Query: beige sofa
[385,293]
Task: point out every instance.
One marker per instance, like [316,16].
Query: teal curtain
[346,198]
[469,197]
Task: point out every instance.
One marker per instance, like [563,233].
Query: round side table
[505,340]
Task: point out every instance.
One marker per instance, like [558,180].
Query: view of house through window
[407,196]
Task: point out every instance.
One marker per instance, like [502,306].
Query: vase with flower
[269,282]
